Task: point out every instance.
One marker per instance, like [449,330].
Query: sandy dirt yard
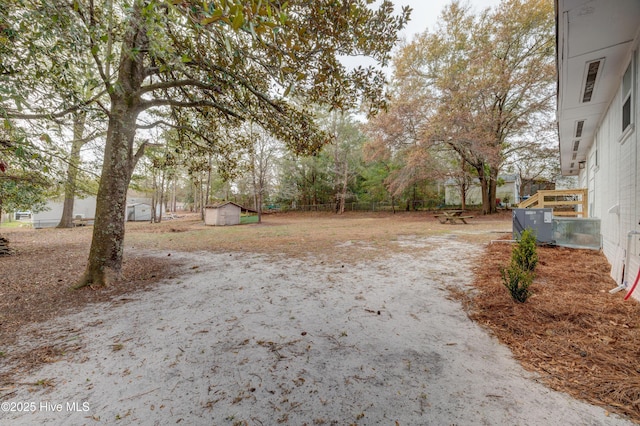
[266,338]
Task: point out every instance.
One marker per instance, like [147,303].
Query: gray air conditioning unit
[539,221]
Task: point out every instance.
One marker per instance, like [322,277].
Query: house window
[627,92]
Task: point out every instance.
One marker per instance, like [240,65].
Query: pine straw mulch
[578,337]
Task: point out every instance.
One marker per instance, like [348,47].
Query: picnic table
[452,216]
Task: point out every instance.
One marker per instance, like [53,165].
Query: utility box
[540,221]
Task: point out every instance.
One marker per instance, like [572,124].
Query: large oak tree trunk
[107,245]
[105,256]
[488,183]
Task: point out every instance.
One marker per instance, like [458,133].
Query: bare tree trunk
[154,187]
[493,183]
[259,206]
[257,187]
[463,186]
[414,196]
[203,193]
[174,203]
[463,195]
[194,205]
[196,195]
[260,193]
[337,187]
[162,178]
[152,214]
[484,188]
[208,193]
[79,119]
[339,169]
[345,185]
[315,190]
[486,206]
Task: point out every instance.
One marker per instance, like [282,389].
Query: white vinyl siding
[635,142]
[612,174]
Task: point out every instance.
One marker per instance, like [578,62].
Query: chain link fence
[358,206]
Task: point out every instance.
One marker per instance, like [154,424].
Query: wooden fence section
[563,201]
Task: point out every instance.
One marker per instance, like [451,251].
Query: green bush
[517,281]
[525,253]
[517,278]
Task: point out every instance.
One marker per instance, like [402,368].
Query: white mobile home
[84,208]
[598,115]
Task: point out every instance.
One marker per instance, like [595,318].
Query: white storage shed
[222,214]
[138,212]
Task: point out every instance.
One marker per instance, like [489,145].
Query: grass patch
[15,224]
[248,219]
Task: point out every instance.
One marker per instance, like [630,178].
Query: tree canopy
[24,174]
[485,83]
[224,60]
[193,79]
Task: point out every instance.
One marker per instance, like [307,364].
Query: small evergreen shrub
[517,281]
[517,278]
[525,253]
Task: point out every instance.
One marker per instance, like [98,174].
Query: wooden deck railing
[563,202]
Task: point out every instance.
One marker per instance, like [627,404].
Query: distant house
[222,214]
[507,192]
[83,208]
[138,209]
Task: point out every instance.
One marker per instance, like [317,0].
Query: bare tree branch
[174,84]
[140,152]
[144,105]
[53,116]
[177,127]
